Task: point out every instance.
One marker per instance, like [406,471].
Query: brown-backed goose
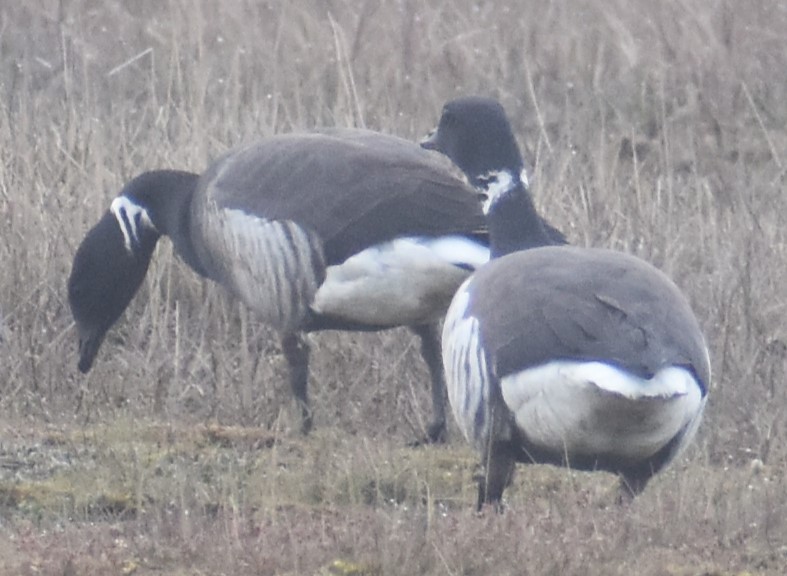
[341,229]
[586,358]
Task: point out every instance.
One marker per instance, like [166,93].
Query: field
[657,128]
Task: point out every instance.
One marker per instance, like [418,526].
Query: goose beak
[90,340]
[430,141]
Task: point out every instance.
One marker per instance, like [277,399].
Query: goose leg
[633,482]
[431,353]
[498,473]
[296,351]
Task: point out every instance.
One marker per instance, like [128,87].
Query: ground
[659,129]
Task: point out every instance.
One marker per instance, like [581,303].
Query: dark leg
[498,473]
[634,480]
[431,353]
[632,483]
[296,351]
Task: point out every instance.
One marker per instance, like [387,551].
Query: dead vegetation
[655,128]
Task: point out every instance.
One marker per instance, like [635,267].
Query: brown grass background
[658,128]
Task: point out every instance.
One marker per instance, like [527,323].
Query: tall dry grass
[655,128]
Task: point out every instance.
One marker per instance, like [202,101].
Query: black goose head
[113,258]
[108,269]
[474,132]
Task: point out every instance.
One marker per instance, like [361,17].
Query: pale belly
[404,282]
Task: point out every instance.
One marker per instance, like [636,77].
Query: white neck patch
[523,178]
[498,183]
[131,218]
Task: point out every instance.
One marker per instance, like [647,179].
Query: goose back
[353,188]
[585,304]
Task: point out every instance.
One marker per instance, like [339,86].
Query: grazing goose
[586,358]
[341,229]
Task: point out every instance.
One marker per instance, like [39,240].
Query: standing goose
[586,358]
[342,229]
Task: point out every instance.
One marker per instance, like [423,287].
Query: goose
[342,229]
[581,357]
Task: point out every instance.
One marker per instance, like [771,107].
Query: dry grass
[656,128]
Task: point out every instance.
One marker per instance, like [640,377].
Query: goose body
[342,229]
[581,357]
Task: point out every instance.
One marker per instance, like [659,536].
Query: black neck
[514,223]
[167,195]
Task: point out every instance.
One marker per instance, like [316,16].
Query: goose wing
[352,188]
